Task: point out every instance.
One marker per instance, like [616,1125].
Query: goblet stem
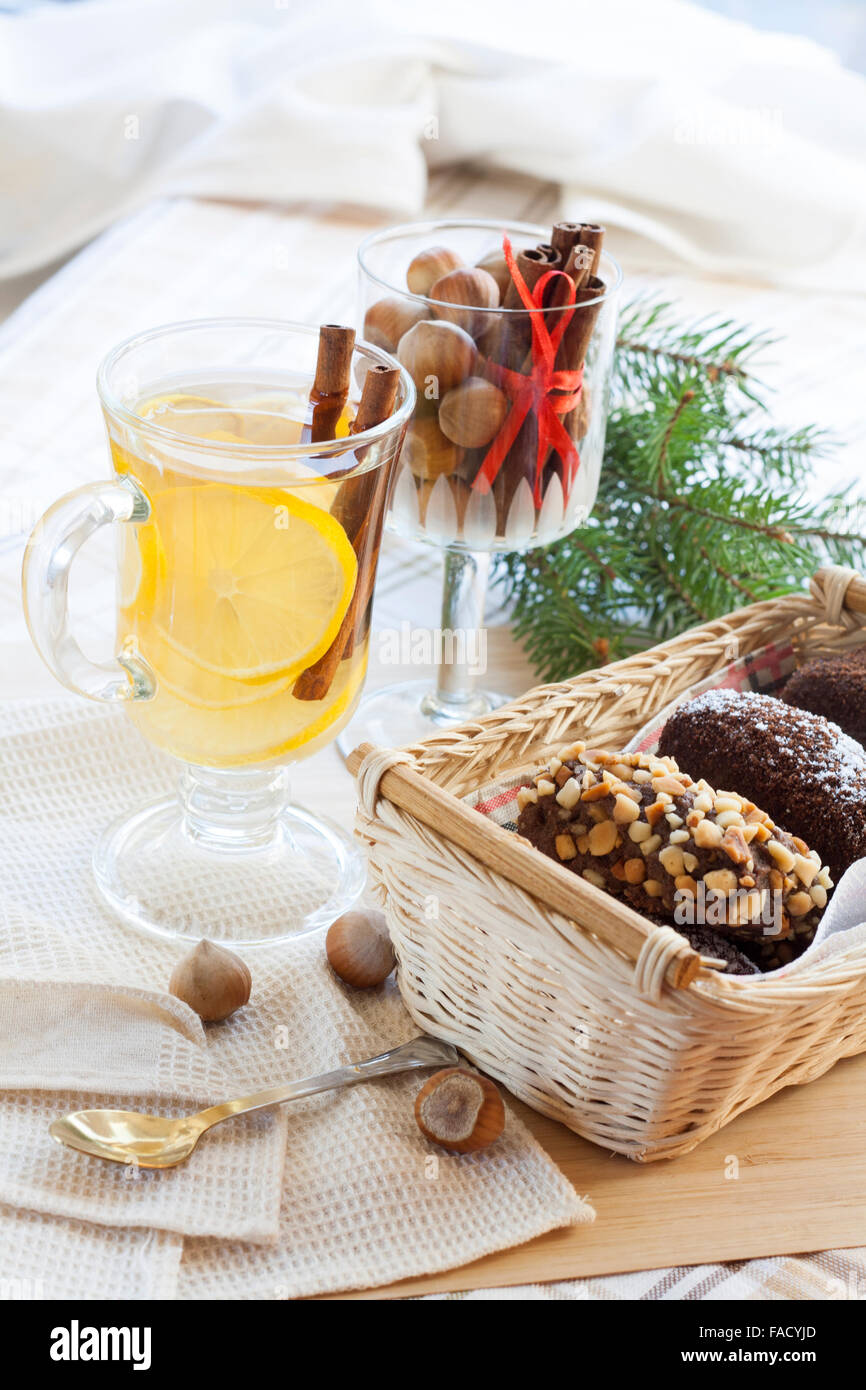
[234,810]
[463,639]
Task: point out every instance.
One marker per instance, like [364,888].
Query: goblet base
[410,711]
[230,860]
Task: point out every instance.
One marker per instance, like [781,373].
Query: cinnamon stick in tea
[359,507]
[333,379]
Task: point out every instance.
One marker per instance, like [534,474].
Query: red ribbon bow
[532,390]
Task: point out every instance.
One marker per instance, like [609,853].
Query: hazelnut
[494,264]
[460,1110]
[429,266]
[386,321]
[426,451]
[437,356]
[359,948]
[214,982]
[465,297]
[472,413]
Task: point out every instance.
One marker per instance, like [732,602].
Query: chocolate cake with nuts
[834,686]
[807,774]
[634,825]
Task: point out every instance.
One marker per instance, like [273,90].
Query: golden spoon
[149,1141]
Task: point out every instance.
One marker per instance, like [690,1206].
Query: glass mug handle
[51,549]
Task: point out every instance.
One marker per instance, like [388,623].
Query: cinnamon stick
[580,267]
[377,397]
[360,508]
[332,381]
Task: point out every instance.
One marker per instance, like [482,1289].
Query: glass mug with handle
[246,560]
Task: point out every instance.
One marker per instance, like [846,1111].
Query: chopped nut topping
[703,802]
[643,776]
[555,765]
[727,818]
[673,820]
[735,846]
[603,837]
[623,771]
[782,855]
[721,880]
[655,812]
[618,870]
[565,847]
[799,904]
[818,894]
[671,860]
[694,817]
[635,870]
[583,844]
[596,792]
[684,883]
[806,869]
[668,784]
[625,810]
[563,775]
[652,888]
[545,788]
[690,861]
[726,802]
[592,877]
[679,837]
[569,794]
[708,835]
[525,796]
[639,831]
[650,845]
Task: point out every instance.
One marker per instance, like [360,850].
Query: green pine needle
[702,505]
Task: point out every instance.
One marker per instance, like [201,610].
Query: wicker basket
[574,1002]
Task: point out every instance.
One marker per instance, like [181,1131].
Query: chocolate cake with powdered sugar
[798,766]
[834,686]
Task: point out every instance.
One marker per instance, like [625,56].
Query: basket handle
[507,854]
[835,582]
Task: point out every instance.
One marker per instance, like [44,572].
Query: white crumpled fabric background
[739,151]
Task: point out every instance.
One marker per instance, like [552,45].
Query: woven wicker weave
[592,1015]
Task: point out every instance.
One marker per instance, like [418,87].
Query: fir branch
[702,503]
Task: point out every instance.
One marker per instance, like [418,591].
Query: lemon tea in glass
[247,550]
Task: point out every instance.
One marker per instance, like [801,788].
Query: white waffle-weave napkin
[364,1199]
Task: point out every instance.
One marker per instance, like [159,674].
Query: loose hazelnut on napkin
[359,948]
[460,1110]
[213,981]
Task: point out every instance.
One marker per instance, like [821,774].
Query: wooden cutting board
[800,1160]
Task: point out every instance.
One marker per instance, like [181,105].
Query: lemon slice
[256,583]
[272,728]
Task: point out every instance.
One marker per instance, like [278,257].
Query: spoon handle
[420,1052]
